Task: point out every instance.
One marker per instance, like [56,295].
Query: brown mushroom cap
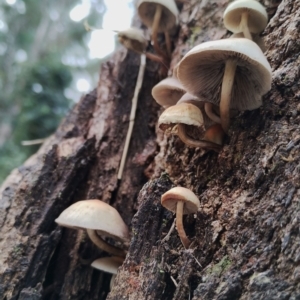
[170,198]
[167,92]
[184,113]
[108,264]
[96,215]
[133,39]
[201,72]
[147,8]
[257,16]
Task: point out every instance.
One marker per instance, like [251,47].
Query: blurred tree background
[42,51]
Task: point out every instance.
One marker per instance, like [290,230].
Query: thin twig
[138,86]
[33,142]
[174,281]
[166,238]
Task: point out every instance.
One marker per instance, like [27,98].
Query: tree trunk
[245,239]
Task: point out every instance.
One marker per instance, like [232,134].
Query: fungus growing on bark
[209,111]
[98,218]
[247,16]
[167,92]
[215,134]
[181,201]
[232,72]
[133,39]
[109,265]
[175,118]
[160,16]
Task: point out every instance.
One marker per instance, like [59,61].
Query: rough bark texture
[245,239]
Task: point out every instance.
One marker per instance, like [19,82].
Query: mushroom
[232,72]
[181,201]
[256,38]
[109,265]
[97,217]
[161,16]
[134,39]
[210,116]
[167,92]
[245,16]
[215,134]
[175,118]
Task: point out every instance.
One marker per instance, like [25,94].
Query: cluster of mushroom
[216,79]
[100,220]
[161,16]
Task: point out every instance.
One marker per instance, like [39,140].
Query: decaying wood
[245,238]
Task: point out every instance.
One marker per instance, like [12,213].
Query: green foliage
[32,101]
[43,103]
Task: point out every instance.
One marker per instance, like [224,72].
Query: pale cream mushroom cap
[189,98]
[170,198]
[134,39]
[201,72]
[255,38]
[96,215]
[257,15]
[184,113]
[167,92]
[147,8]
[108,264]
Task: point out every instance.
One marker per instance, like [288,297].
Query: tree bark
[245,238]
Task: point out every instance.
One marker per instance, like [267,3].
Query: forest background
[46,64]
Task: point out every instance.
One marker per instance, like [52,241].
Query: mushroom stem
[111,283]
[244,25]
[168,42]
[227,83]
[100,243]
[155,57]
[181,232]
[181,132]
[156,20]
[138,86]
[208,107]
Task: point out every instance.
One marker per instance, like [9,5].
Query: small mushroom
[161,16]
[245,16]
[167,92]
[134,39]
[181,201]
[232,72]
[175,118]
[215,134]
[209,111]
[109,265]
[97,217]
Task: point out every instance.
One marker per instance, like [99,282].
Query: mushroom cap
[108,264]
[167,92]
[256,38]
[184,113]
[257,15]
[201,72]
[133,39]
[96,215]
[189,98]
[170,198]
[147,8]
